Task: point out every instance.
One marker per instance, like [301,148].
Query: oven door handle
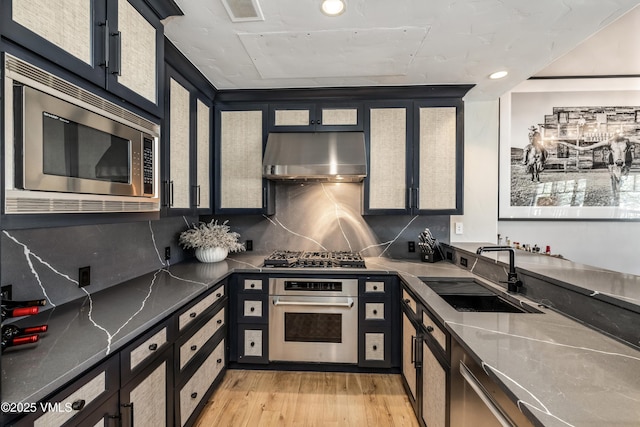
[348,303]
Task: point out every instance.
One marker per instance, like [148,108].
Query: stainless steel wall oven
[313,320]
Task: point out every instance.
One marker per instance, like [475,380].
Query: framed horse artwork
[570,149]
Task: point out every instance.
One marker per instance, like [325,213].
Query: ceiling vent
[243,10]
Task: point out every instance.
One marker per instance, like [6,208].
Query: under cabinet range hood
[317,156]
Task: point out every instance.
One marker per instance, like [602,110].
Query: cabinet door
[65,31]
[389,176]
[203,156]
[179,194]
[438,159]
[146,400]
[434,390]
[311,117]
[136,44]
[239,148]
[409,339]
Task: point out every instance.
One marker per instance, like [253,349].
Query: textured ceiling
[400,42]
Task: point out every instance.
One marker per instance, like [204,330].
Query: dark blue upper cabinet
[115,44]
[298,117]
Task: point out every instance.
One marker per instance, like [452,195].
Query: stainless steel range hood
[319,156]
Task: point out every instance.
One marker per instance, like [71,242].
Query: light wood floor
[323,399]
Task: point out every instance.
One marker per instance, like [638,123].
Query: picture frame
[570,150]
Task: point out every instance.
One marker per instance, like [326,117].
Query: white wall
[614,245]
[480,174]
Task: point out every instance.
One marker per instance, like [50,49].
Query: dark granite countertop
[561,372]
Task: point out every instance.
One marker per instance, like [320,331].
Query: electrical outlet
[449,256]
[463,261]
[248,245]
[84,276]
[7,292]
[459,228]
[167,253]
[411,246]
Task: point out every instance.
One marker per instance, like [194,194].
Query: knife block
[430,257]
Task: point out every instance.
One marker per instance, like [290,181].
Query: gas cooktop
[320,259]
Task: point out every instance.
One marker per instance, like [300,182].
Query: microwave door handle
[348,303]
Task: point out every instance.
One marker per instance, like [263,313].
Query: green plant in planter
[211,235]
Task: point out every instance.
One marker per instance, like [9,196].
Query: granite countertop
[607,285]
[561,372]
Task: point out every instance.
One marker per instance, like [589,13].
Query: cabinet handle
[218,295]
[413,349]
[252,344]
[193,314]
[118,69]
[375,347]
[417,197]
[252,309]
[407,301]
[170,194]
[429,328]
[253,285]
[375,311]
[219,321]
[194,347]
[153,347]
[106,43]
[78,405]
[410,197]
[219,361]
[198,195]
[375,287]
[194,395]
[129,407]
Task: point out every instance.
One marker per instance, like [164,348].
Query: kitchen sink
[470,295]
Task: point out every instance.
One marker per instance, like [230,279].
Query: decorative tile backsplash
[44,263]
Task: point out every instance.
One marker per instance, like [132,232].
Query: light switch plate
[459,228]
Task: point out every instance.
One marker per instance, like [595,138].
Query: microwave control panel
[147,166]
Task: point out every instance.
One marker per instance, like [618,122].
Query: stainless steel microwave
[76,152]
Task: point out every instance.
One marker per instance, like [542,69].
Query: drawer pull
[194,347]
[153,347]
[253,285]
[219,361]
[218,295]
[194,395]
[375,347]
[375,287]
[78,405]
[219,321]
[252,344]
[407,301]
[252,309]
[375,311]
[429,329]
[192,315]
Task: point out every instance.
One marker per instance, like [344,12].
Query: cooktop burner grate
[317,259]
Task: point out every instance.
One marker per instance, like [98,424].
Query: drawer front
[436,332]
[78,399]
[148,348]
[195,389]
[252,285]
[197,309]
[190,348]
[409,301]
[253,342]
[252,308]
[374,346]
[374,287]
[374,311]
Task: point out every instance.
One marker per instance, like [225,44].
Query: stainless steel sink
[471,295]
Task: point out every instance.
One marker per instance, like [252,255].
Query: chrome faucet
[513,283]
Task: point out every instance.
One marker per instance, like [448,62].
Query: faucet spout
[512,277]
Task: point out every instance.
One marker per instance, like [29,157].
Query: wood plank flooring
[297,399]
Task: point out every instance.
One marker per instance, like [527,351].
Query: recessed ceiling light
[498,75]
[333,7]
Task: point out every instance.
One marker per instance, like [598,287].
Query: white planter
[211,254]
